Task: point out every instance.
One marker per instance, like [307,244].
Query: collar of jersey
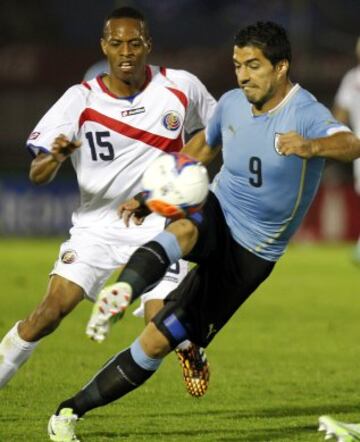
[104,88]
[282,103]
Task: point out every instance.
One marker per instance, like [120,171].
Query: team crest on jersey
[276,142]
[171,120]
[34,135]
[68,257]
[128,113]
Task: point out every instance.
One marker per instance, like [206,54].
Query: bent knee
[186,233]
[153,342]
[58,302]
[63,295]
[184,227]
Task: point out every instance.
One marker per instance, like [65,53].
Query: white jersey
[348,97]
[120,137]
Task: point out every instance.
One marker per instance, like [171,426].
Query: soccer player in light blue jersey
[274,136]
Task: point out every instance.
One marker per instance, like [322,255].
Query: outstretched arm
[342,146]
[197,148]
[45,166]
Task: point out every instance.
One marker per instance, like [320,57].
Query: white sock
[184,345]
[14,352]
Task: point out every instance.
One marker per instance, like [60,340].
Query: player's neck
[122,88]
[277,98]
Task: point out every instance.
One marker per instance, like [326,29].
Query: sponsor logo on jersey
[34,135]
[68,257]
[171,120]
[128,113]
[276,142]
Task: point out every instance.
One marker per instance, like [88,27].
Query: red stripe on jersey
[86,84]
[148,77]
[163,71]
[181,96]
[162,143]
[104,88]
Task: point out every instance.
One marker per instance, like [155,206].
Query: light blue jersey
[264,195]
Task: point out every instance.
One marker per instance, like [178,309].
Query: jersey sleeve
[317,121]
[213,129]
[201,107]
[61,118]
[201,103]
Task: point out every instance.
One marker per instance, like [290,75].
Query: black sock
[118,377]
[145,268]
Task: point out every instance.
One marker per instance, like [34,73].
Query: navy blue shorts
[210,294]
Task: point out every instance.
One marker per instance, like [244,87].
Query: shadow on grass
[224,432]
[220,435]
[85,436]
[271,434]
[284,411]
[166,435]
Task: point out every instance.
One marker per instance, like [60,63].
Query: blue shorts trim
[175,328]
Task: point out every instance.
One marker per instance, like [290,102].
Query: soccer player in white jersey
[111,128]
[274,136]
[347,109]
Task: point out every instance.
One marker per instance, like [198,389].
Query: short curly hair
[128,12]
[270,37]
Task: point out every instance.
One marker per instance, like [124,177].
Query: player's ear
[148,45]
[282,67]
[103,46]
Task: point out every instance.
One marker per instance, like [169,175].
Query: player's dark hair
[128,12]
[270,37]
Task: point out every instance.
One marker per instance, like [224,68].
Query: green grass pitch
[290,354]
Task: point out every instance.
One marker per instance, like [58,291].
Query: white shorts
[89,264]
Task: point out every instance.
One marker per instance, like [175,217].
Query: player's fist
[62,148]
[292,143]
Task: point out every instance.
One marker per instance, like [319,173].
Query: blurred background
[47,46]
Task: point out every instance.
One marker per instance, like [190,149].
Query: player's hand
[132,209]
[62,148]
[292,143]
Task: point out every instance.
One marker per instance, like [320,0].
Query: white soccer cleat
[7,371]
[61,428]
[339,430]
[109,308]
[96,328]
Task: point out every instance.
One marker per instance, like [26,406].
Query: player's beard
[259,103]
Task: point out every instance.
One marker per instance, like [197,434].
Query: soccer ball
[175,185]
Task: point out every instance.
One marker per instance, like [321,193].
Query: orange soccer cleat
[195,369]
